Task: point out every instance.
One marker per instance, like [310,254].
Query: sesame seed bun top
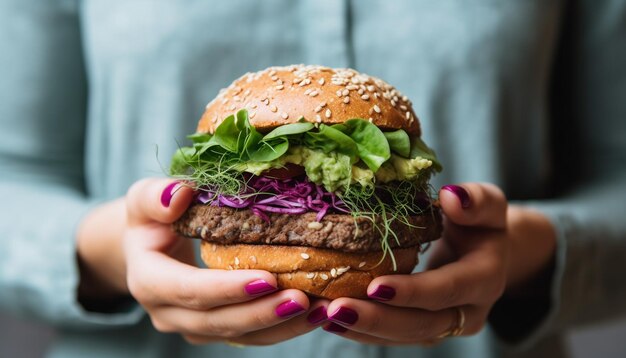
[282,95]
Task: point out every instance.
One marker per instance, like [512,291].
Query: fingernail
[345,316]
[258,287]
[318,315]
[168,192]
[460,193]
[288,308]
[334,328]
[383,293]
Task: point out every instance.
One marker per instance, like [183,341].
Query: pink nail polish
[259,287]
[335,328]
[288,309]
[318,315]
[383,293]
[460,193]
[345,316]
[168,192]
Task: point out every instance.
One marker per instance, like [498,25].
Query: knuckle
[449,295]
[418,330]
[186,295]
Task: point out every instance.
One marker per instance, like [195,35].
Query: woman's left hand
[487,247]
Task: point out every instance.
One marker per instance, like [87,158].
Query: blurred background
[26,339]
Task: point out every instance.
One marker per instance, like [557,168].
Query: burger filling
[353,168]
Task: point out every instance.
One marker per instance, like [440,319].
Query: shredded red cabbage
[270,195]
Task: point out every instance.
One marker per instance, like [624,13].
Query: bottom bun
[319,272]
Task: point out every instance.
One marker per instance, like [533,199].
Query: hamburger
[318,175]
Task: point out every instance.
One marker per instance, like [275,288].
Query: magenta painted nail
[383,293]
[334,328]
[259,287]
[344,316]
[460,193]
[318,315]
[288,308]
[168,192]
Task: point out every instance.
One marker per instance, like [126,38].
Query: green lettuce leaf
[371,143]
[399,142]
[420,149]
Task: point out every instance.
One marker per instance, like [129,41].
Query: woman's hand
[486,248]
[158,270]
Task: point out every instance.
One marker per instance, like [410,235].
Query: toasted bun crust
[319,272]
[282,95]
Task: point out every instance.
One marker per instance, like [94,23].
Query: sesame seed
[345,92]
[376,95]
[314,225]
[297,80]
[405,98]
[346,100]
[313,93]
[365,97]
[324,276]
[393,103]
[321,81]
[408,115]
[323,104]
[328,113]
[333,272]
[338,93]
[279,87]
[308,91]
[274,78]
[289,276]
[376,108]
[318,109]
[236,261]
[363,263]
[273,108]
[403,107]
[237,98]
[342,270]
[318,118]
[252,114]
[284,115]
[361,91]
[310,275]
[305,256]
[253,259]
[247,93]
[266,101]
[280,82]
[272,72]
[371,88]
[371,120]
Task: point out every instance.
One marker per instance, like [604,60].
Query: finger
[234,320]
[157,199]
[477,277]
[474,204]
[297,326]
[154,278]
[401,325]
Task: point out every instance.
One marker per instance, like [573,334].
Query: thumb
[157,200]
[474,204]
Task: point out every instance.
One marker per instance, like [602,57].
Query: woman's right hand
[203,305]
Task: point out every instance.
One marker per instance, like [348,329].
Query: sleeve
[42,129]
[589,132]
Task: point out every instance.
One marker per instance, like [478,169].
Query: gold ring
[236,345]
[458,326]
